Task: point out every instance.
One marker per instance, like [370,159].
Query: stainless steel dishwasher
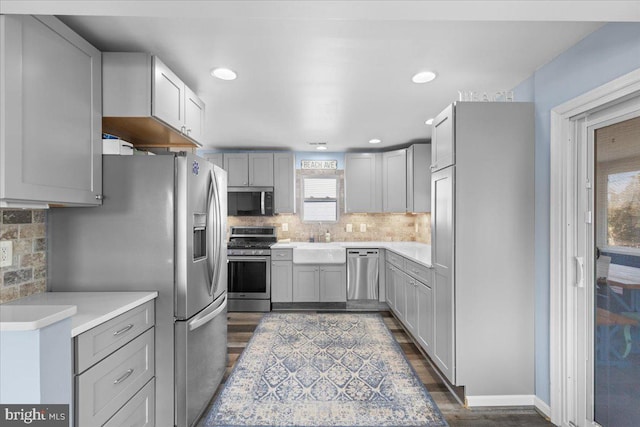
[362,274]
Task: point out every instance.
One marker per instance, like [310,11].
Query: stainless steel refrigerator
[162,227]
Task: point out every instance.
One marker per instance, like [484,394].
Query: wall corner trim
[542,407]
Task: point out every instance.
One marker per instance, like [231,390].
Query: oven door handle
[249,258]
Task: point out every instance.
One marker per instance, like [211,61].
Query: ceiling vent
[317,144]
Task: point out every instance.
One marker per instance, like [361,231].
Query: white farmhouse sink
[319,253]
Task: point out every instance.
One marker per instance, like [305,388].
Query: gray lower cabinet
[410,296]
[281,281]
[115,371]
[424,322]
[411,306]
[284,183]
[140,411]
[319,283]
[51,96]
[306,283]
[333,283]
[390,284]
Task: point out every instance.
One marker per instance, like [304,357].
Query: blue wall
[606,54]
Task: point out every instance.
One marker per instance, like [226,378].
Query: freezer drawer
[200,360]
[102,390]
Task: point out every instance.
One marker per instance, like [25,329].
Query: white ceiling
[336,72]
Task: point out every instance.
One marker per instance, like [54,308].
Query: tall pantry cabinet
[482,225]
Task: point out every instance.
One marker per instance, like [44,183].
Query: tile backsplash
[27,230]
[379,227]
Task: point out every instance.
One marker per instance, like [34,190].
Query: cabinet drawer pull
[124,376]
[123,330]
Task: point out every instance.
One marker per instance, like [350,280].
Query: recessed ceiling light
[321,147]
[423,77]
[224,74]
[375,141]
[429,122]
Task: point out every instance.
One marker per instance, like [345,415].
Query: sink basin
[319,253]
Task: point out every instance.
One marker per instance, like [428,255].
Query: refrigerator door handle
[211,248]
[207,315]
[218,231]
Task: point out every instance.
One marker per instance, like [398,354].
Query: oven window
[247,276]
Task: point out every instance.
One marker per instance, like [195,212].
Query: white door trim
[562,199]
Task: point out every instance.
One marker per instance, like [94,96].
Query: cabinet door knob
[98,196]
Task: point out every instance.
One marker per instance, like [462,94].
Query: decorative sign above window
[319,164]
[479,96]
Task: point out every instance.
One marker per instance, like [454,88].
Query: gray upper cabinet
[147,104]
[249,169]
[363,182]
[443,140]
[261,169]
[215,158]
[394,181]
[51,144]
[284,182]
[419,178]
[168,94]
[193,115]
[237,167]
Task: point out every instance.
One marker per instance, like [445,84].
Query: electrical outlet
[285,226]
[6,253]
[363,228]
[349,228]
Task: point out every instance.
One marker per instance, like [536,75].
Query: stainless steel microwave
[250,201]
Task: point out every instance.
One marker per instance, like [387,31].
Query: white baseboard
[507,400]
[542,407]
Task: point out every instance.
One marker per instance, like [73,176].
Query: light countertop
[93,308]
[32,317]
[418,252]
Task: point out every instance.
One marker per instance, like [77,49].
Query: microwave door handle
[262,194]
[210,234]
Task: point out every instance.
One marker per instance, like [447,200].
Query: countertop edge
[64,312]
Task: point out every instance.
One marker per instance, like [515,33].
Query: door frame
[563,228]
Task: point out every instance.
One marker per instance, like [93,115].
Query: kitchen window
[320,199]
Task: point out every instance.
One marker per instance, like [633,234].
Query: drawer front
[102,390]
[418,271]
[97,343]
[140,411]
[395,259]
[281,254]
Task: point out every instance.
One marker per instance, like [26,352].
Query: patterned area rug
[329,369]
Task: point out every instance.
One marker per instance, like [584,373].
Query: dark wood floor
[242,325]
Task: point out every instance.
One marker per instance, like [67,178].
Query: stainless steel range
[249,268]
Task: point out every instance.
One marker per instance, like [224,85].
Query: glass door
[616,279]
